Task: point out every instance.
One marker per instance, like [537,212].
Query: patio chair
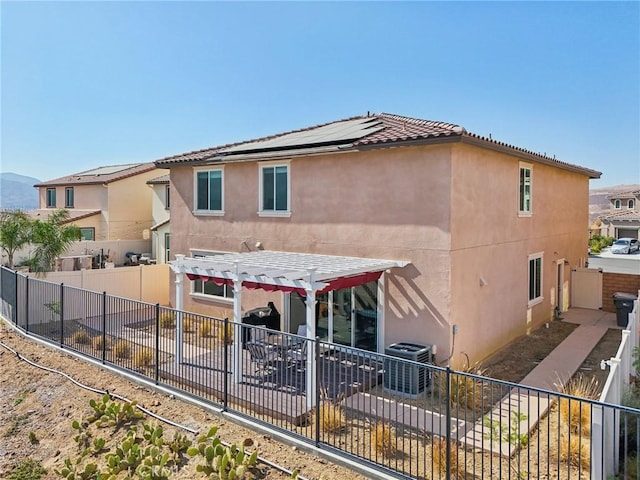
[302,330]
[298,353]
[260,336]
[263,356]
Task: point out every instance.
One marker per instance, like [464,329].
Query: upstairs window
[68,197]
[167,197]
[617,204]
[208,191]
[274,189]
[630,204]
[51,198]
[525,190]
[535,279]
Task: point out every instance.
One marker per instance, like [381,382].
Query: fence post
[15,297]
[104,327]
[61,315]
[157,362]
[225,381]
[316,354]
[26,302]
[448,422]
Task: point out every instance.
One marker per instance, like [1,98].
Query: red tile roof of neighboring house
[624,195]
[164,179]
[100,175]
[74,214]
[384,130]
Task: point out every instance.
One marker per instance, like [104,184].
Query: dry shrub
[464,391]
[204,330]
[122,349]
[439,458]
[332,418]
[575,414]
[383,438]
[220,332]
[81,337]
[167,319]
[98,345]
[143,357]
[188,323]
[575,450]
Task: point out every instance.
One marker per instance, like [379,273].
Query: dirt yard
[37,408]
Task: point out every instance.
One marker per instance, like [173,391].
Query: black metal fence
[407,418]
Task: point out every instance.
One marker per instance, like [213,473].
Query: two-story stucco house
[623,219]
[395,228]
[161,228]
[107,203]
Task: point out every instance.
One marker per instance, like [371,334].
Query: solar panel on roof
[107,170]
[331,133]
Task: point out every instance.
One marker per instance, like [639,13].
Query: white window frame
[524,212]
[273,213]
[167,197]
[540,280]
[617,204]
[226,297]
[630,204]
[197,211]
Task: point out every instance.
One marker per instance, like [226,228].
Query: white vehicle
[625,245]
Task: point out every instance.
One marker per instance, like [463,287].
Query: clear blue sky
[86,84]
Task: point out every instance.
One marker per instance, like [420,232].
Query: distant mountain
[16,191]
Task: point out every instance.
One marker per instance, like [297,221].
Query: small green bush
[27,469]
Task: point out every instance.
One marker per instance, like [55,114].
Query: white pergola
[305,273]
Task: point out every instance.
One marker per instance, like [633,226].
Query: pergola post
[237,330]
[179,307]
[311,330]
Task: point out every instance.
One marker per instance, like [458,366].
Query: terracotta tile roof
[624,215]
[164,179]
[74,214]
[394,129]
[623,195]
[400,129]
[100,175]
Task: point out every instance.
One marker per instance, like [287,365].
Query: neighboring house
[432,235]
[107,203]
[161,228]
[623,219]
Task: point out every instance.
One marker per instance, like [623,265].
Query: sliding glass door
[339,311]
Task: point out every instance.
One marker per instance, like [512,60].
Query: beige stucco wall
[450,210]
[129,210]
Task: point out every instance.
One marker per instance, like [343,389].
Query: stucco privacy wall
[381,204]
[147,283]
[491,245]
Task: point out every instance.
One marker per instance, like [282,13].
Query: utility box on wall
[403,378]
